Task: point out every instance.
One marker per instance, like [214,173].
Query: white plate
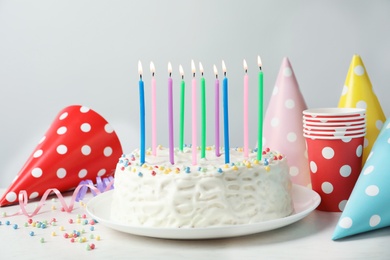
[305,201]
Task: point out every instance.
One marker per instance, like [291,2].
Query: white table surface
[309,238]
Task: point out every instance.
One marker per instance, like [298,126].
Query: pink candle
[154,131]
[170,114]
[194,115]
[217,152]
[246,138]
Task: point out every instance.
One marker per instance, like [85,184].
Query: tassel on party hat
[368,205]
[283,124]
[79,145]
[358,93]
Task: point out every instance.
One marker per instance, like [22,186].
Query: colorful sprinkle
[266,162]
[31,233]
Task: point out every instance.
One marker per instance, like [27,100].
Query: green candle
[182,97]
[260,114]
[203,104]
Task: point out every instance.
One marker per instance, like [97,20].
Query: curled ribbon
[78,194]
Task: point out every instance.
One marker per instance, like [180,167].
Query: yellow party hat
[358,92]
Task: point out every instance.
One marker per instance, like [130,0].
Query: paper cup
[334,128]
[334,133]
[333,137]
[333,119]
[334,112]
[334,124]
[335,164]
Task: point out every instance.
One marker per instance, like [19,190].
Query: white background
[58,53]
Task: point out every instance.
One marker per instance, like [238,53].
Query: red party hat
[79,145]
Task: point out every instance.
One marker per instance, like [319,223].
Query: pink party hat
[283,129]
[78,145]
[368,205]
[358,92]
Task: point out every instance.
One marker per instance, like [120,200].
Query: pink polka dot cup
[335,164]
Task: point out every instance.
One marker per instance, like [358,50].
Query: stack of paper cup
[334,139]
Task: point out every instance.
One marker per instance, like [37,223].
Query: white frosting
[211,193]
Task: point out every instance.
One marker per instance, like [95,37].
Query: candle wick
[224,73]
[193,74]
[260,67]
[182,77]
[140,76]
[202,74]
[246,71]
[152,74]
[170,74]
[216,76]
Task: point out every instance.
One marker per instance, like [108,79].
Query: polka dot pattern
[345,170]
[334,167]
[282,123]
[358,92]
[79,145]
[367,208]
[342,204]
[327,153]
[11,196]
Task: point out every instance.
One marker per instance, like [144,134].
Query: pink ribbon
[78,194]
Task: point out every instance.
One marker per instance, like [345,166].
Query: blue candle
[225,114]
[142,114]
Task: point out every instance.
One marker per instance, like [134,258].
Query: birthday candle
[246,138]
[203,104]
[260,114]
[142,114]
[154,124]
[170,114]
[217,152]
[182,102]
[226,114]
[194,115]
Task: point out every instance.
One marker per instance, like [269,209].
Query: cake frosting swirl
[210,193]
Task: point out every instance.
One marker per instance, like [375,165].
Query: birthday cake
[211,193]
